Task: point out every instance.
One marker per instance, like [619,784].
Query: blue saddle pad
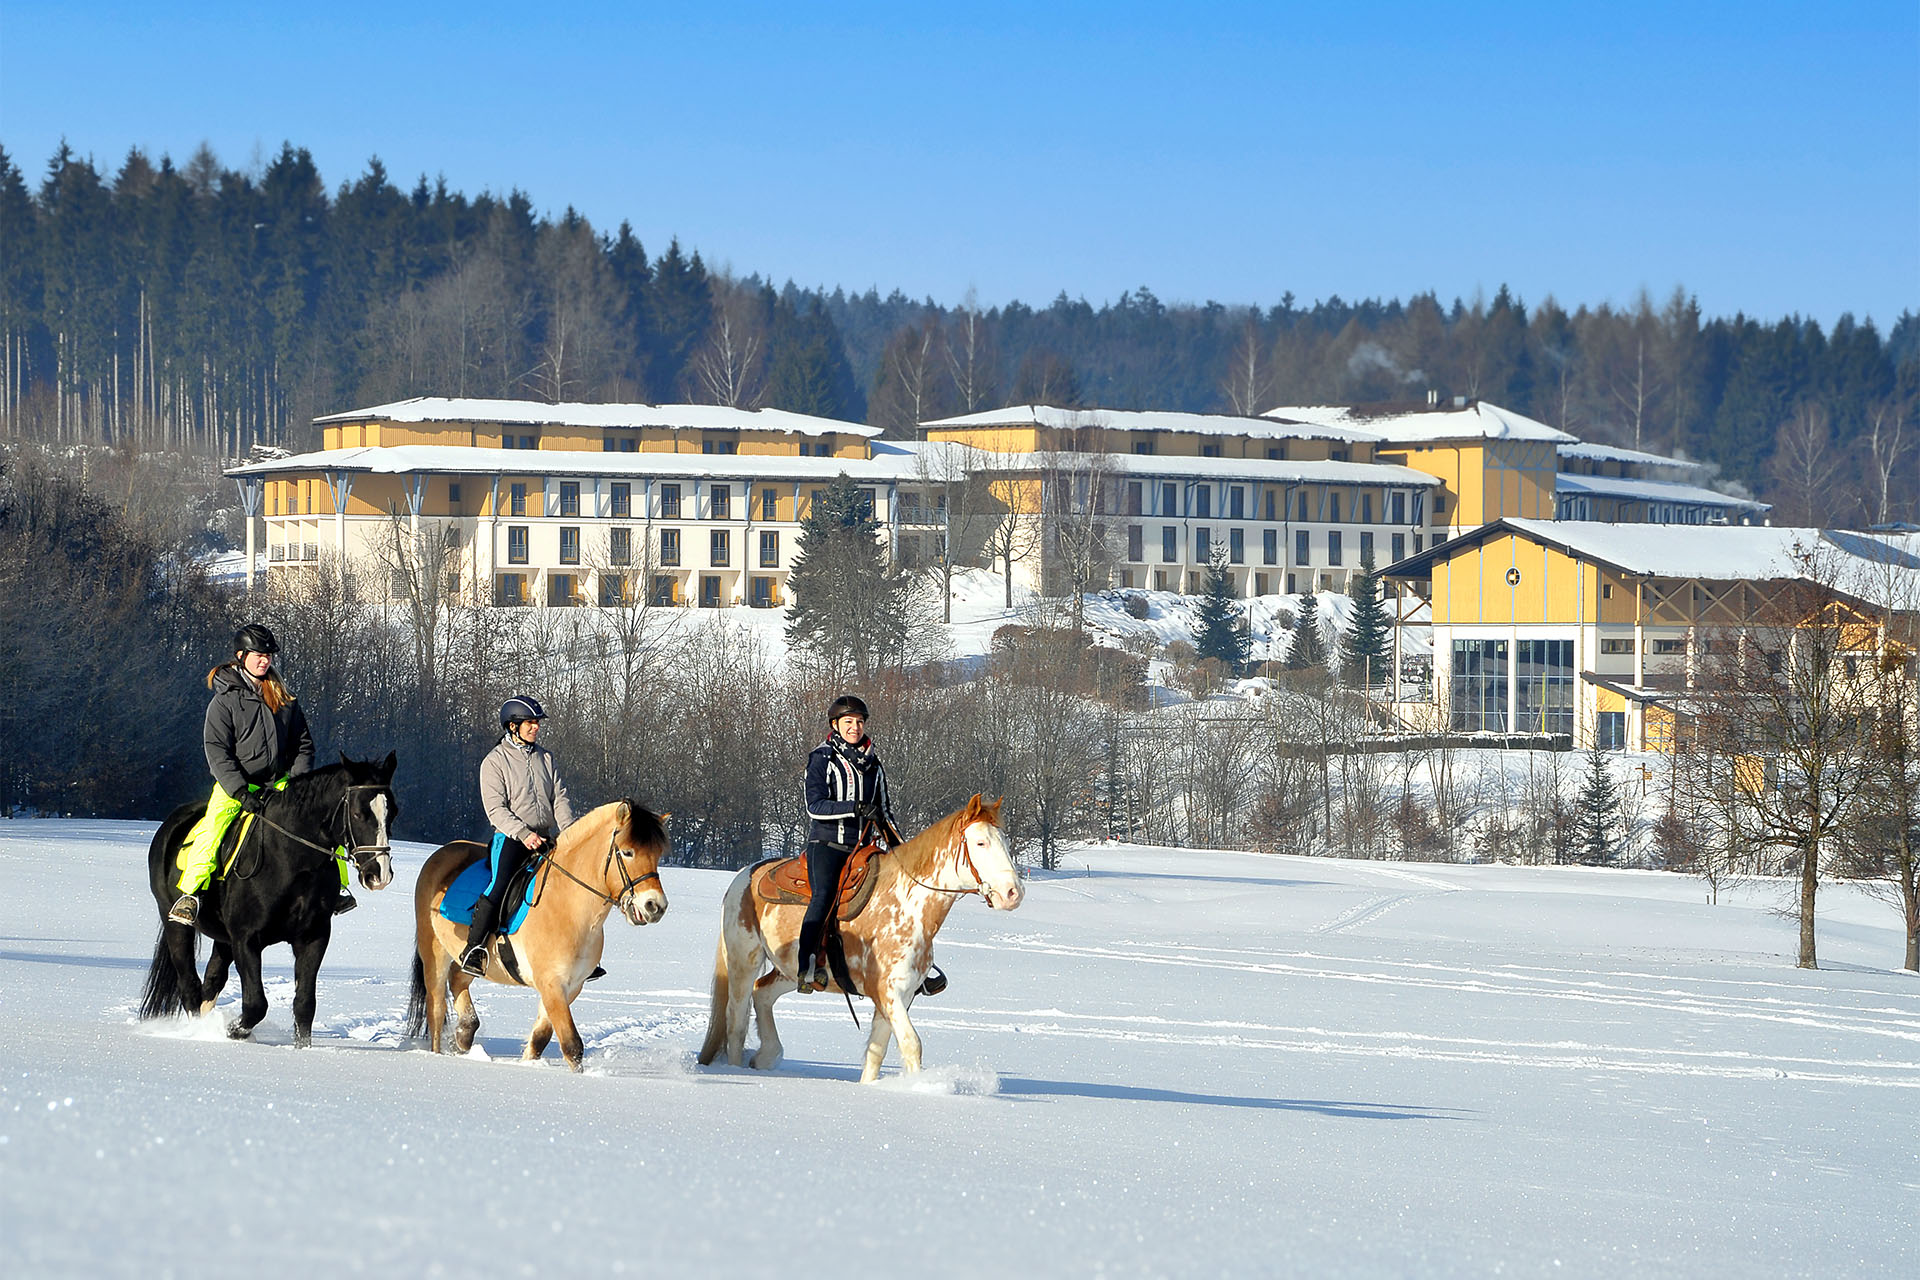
[466,889]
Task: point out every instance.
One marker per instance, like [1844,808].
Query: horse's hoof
[238,1031]
[302,1041]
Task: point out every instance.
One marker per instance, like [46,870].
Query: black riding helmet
[254,638]
[847,705]
[520,707]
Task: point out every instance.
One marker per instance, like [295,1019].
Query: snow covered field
[1166,1063]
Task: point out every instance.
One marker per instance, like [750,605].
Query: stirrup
[934,983]
[475,960]
[186,909]
[344,903]
[598,972]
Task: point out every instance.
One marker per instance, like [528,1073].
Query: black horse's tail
[162,994]
[417,1001]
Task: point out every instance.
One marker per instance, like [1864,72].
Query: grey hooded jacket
[522,791]
[245,742]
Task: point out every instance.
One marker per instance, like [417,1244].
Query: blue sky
[1765,156]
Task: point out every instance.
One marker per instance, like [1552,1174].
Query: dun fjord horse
[888,945]
[279,885]
[609,858]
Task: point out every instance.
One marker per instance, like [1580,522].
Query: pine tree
[1364,649]
[1218,632]
[1597,813]
[849,603]
[807,369]
[1306,650]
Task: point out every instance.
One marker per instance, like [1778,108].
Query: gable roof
[1422,423]
[1206,424]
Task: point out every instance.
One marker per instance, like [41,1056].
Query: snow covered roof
[1881,569]
[1208,424]
[1633,457]
[1653,491]
[962,458]
[889,463]
[1422,423]
[690,417]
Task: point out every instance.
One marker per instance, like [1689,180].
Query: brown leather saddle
[785,881]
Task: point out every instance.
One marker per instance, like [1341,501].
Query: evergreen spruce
[1597,813]
[1218,631]
[1306,649]
[1366,647]
[849,603]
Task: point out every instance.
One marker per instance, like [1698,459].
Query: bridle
[630,885]
[359,854]
[966,858]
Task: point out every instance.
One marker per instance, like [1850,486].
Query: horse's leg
[877,1037]
[461,984]
[180,944]
[253,992]
[765,992]
[890,1010]
[216,980]
[556,1010]
[540,1037]
[308,952]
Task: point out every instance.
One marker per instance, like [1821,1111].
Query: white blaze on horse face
[382,863]
[999,881]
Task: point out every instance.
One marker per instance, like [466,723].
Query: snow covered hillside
[1166,1063]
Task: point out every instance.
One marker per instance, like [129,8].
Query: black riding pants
[825,862]
[486,912]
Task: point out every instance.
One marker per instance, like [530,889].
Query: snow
[1165,1063]
[1653,491]
[886,464]
[1042,415]
[1401,424]
[1612,453]
[692,417]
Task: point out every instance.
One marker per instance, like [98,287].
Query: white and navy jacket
[840,777]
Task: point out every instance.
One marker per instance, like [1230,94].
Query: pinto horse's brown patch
[786,881]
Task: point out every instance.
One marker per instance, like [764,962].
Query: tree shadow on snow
[82,962]
[1095,873]
[1015,1086]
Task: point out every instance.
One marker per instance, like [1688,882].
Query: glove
[867,810]
[254,801]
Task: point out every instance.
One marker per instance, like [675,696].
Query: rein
[965,857]
[332,852]
[630,883]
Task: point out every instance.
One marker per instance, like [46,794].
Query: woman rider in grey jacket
[528,806]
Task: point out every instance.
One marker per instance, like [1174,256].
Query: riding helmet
[520,707]
[254,638]
[847,705]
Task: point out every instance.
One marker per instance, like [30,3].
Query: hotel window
[620,546]
[662,593]
[516,544]
[570,499]
[709,591]
[722,503]
[867,503]
[560,592]
[669,502]
[1136,543]
[1366,508]
[1399,509]
[719,548]
[516,499]
[669,546]
[620,505]
[1202,543]
[453,495]
[1301,546]
[1209,450]
[1269,546]
[1543,687]
[1611,732]
[814,498]
[1366,547]
[1169,543]
[1134,494]
[1479,687]
[769,549]
[613,589]
[1333,547]
[1143,447]
[762,597]
[769,504]
[1270,505]
[628,444]
[1669,646]
[569,544]
[1617,646]
[1236,503]
[719,446]
[1337,455]
[1277,452]
[1399,547]
[1237,546]
[1203,501]
[1300,507]
[1333,507]
[1169,500]
[510,589]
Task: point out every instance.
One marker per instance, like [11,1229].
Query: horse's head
[984,852]
[638,842]
[368,809]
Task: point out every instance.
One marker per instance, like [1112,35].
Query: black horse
[281,888]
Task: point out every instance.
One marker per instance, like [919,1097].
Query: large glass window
[569,544]
[1203,501]
[516,544]
[1169,543]
[1301,545]
[669,546]
[1479,686]
[620,546]
[570,499]
[1543,687]
[669,502]
[718,550]
[621,504]
[1237,545]
[722,502]
[1270,546]
[769,549]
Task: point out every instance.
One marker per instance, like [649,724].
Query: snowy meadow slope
[1166,1063]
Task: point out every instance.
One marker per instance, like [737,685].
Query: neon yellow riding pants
[200,852]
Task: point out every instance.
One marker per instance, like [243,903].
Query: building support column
[250,504]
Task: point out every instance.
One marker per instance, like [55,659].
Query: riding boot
[479,932]
[344,903]
[185,910]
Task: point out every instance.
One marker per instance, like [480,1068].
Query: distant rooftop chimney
[1433,398]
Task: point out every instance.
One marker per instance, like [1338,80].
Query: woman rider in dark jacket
[846,793]
[255,738]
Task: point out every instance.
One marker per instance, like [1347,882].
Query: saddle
[785,881]
[461,895]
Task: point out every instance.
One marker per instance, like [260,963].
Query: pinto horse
[608,858]
[280,884]
[888,945]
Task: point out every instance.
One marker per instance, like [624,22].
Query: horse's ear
[346,760]
[991,812]
[973,807]
[388,765]
[625,814]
